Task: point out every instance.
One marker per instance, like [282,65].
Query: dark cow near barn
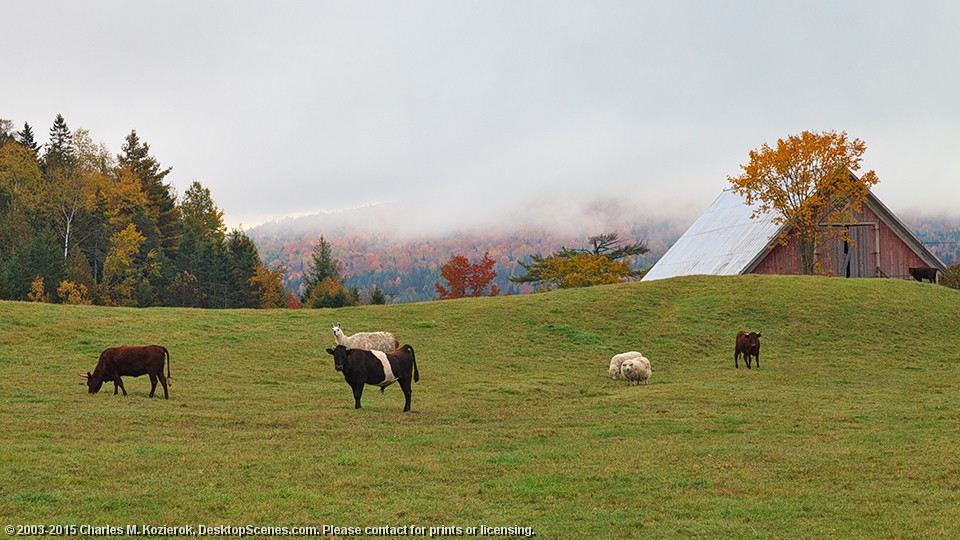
[377,368]
[130,362]
[921,273]
[748,345]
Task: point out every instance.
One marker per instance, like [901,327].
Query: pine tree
[322,266]
[377,297]
[59,151]
[202,248]
[162,206]
[245,260]
[27,139]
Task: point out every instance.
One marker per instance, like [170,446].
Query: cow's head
[753,340]
[339,354]
[93,383]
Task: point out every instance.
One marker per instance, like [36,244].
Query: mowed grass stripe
[849,427]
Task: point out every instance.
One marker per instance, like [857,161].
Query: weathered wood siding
[895,255]
[780,260]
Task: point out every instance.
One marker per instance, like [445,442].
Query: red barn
[724,240]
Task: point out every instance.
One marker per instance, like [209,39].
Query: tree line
[81,225]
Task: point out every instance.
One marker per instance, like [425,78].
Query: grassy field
[850,428]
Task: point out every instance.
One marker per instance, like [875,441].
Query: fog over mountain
[424,219]
[475,114]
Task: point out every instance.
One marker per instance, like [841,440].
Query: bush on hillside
[951,278]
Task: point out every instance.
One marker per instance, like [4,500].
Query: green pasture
[850,428]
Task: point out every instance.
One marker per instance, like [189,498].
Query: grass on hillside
[848,429]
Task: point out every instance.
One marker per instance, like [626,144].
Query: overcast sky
[464,113]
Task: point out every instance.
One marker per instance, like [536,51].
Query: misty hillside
[406,266]
[374,251]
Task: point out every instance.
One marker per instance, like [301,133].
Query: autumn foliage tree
[581,270]
[269,285]
[467,279]
[808,183]
[606,261]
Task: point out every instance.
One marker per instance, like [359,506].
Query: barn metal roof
[725,241]
[722,241]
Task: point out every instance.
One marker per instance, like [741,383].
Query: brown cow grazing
[921,273]
[748,345]
[378,368]
[130,362]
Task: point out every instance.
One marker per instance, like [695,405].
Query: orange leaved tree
[808,183]
[467,279]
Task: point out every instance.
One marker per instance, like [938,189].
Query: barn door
[850,258]
[860,248]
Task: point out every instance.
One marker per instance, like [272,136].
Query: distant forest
[406,269]
[940,233]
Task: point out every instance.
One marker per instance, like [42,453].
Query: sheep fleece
[636,370]
[618,360]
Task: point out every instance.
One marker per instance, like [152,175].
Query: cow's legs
[756,359]
[116,382]
[163,381]
[153,384]
[746,358]
[115,387]
[357,392]
[736,357]
[407,391]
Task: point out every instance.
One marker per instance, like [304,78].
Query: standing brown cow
[748,345]
[130,362]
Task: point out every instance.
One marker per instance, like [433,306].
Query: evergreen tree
[244,260]
[161,204]
[215,272]
[26,138]
[202,249]
[377,297]
[59,151]
[322,266]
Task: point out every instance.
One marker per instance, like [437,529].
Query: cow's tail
[166,352]
[416,372]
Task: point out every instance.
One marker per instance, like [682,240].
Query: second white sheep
[636,370]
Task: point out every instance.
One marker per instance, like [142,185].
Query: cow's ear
[759,334]
[330,351]
[89,376]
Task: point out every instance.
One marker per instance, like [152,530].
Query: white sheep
[636,370]
[370,341]
[617,361]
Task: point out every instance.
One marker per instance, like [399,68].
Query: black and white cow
[377,368]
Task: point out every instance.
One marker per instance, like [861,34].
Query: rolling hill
[848,429]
